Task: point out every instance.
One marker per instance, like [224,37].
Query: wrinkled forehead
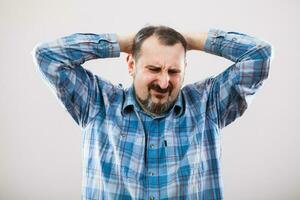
[154,53]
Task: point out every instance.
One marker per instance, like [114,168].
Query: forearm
[237,47]
[75,49]
[67,53]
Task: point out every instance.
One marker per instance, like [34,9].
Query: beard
[157,108]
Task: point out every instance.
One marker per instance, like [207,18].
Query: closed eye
[174,71]
[154,69]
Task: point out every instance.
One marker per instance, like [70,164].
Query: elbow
[37,53]
[266,54]
[266,51]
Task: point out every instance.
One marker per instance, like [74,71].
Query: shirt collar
[131,103]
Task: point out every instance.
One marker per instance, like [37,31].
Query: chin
[160,101]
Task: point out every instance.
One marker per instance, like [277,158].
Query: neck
[144,109]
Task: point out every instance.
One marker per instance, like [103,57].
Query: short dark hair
[166,36]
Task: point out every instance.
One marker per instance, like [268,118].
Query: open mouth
[159,94]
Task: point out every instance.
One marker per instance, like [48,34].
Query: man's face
[158,75]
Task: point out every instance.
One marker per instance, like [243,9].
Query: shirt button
[151,198]
[151,146]
[151,173]
[123,134]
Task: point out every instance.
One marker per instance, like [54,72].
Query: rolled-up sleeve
[231,92]
[82,93]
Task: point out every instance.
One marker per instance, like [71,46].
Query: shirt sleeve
[80,92]
[231,92]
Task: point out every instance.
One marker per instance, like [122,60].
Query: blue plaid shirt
[128,154]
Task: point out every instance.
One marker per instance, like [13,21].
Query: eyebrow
[152,66]
[157,67]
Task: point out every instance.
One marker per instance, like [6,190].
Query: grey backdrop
[40,144]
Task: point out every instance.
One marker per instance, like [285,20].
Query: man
[156,139]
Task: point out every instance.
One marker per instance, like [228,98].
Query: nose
[163,80]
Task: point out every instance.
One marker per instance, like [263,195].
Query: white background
[40,144]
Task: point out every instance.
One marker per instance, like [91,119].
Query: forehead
[155,53]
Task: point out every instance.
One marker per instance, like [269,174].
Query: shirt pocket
[176,148]
[128,149]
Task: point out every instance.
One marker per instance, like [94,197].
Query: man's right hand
[125,42]
[195,41]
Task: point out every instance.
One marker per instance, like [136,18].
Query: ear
[185,62]
[131,64]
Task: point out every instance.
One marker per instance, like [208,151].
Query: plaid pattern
[128,154]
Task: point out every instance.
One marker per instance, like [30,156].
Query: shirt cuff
[113,45]
[214,41]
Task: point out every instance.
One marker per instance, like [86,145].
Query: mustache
[159,89]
